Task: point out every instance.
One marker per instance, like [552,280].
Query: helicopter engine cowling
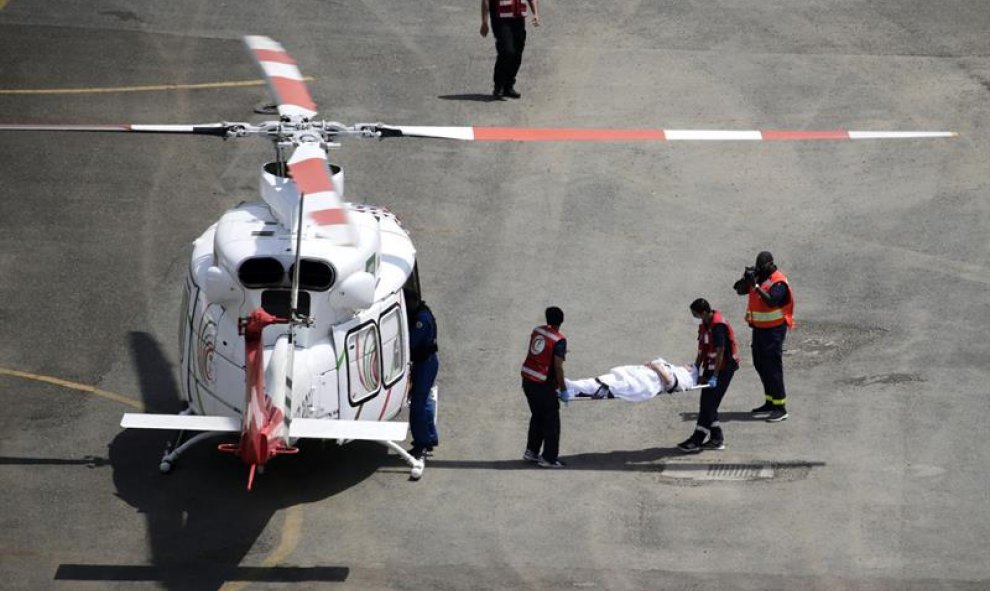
[355,292]
[220,285]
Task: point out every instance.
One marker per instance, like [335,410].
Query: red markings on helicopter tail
[551,134]
[263,422]
[251,472]
[837,134]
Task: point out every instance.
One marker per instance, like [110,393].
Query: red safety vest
[512,8]
[761,315]
[706,347]
[536,368]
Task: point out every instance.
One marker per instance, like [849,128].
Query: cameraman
[770,311]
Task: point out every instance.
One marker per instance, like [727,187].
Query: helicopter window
[393,328]
[278,301]
[314,275]
[363,364]
[261,272]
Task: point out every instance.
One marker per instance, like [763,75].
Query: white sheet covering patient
[636,383]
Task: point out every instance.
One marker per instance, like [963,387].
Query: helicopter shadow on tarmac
[201,522]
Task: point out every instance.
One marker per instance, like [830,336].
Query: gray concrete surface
[880,475]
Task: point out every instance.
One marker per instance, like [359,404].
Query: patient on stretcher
[636,383]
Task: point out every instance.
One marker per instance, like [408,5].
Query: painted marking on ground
[291,534]
[291,527]
[148,88]
[73,386]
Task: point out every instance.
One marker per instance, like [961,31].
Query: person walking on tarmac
[542,379]
[508,19]
[770,311]
[717,362]
[425,364]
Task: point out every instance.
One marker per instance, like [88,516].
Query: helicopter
[293,314]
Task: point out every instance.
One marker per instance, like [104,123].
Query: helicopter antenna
[294,304]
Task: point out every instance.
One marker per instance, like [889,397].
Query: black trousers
[711,398]
[544,424]
[768,359]
[510,40]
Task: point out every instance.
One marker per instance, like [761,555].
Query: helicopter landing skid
[417,466]
[170,455]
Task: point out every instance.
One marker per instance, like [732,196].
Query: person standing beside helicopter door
[425,364]
[509,28]
[542,379]
[770,311]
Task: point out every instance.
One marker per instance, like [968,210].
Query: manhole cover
[719,471]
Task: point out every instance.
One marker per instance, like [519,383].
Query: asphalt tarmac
[877,481]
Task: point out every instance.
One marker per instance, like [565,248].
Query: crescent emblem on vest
[539,343]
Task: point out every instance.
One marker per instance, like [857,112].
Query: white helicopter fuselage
[350,362]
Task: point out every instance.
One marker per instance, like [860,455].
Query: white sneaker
[554,464]
[530,456]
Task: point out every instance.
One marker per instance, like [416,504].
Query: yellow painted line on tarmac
[291,534]
[149,88]
[291,527]
[73,386]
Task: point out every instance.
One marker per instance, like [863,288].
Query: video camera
[748,279]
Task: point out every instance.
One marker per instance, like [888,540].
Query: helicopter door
[395,345]
[364,365]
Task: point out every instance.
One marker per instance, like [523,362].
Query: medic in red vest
[717,361]
[536,367]
[544,386]
[707,353]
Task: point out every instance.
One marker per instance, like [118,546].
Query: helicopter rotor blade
[557,134]
[214,129]
[321,203]
[284,78]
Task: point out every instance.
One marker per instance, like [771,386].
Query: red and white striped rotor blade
[321,203]
[565,134]
[284,78]
[217,129]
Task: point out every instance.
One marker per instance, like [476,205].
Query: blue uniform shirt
[422,334]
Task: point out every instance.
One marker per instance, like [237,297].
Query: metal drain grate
[719,471]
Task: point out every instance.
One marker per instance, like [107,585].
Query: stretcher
[591,396]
